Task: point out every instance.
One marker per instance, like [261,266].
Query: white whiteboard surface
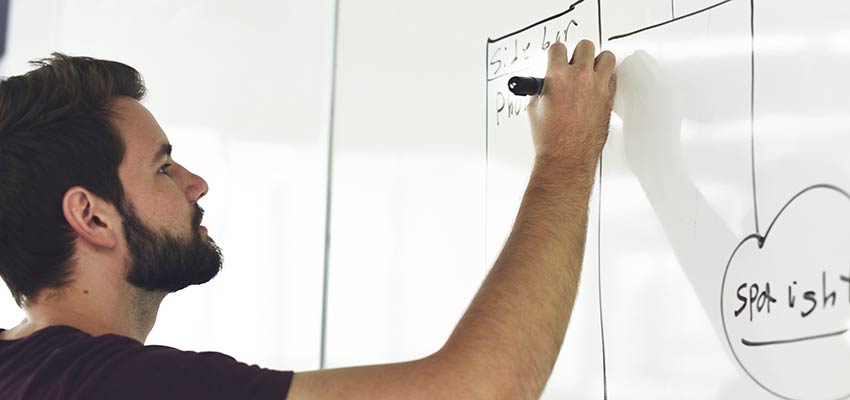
[736,106]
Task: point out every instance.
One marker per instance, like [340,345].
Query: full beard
[161,262]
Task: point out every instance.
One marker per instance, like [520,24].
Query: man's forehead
[142,134]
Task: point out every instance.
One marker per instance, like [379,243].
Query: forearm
[513,330]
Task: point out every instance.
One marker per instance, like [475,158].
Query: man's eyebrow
[164,150]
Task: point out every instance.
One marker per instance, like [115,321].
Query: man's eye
[164,169]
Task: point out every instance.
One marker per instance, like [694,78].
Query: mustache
[197,216]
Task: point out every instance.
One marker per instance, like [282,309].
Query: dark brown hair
[56,132]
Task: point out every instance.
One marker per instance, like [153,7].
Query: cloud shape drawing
[785,299]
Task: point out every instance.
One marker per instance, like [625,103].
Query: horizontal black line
[772,342]
[667,22]
[538,23]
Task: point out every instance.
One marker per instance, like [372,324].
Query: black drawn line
[599,284]
[820,186]
[753,109]
[785,341]
[760,242]
[668,22]
[673,8]
[487,122]
[599,244]
[538,23]
[599,14]
[486,149]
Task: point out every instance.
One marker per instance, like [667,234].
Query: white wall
[243,93]
[242,89]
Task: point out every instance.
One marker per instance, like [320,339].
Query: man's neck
[131,313]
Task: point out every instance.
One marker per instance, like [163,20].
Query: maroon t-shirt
[61,362]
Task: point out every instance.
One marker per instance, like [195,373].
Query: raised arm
[506,344]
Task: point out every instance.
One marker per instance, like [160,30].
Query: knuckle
[584,76]
[554,76]
[607,56]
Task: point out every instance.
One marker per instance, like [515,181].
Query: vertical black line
[599,283]
[329,198]
[752,109]
[486,149]
[599,15]
[599,243]
[673,8]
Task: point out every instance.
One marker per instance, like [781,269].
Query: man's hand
[569,120]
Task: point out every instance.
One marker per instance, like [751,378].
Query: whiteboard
[721,266]
[738,118]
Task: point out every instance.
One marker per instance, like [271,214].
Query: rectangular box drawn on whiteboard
[510,151]
[510,158]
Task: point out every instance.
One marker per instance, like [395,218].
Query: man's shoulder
[114,366]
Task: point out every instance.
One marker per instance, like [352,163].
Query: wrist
[559,170]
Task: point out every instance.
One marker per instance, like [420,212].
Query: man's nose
[197,187]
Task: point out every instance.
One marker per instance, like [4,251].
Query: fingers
[583,55]
[605,63]
[583,59]
[557,55]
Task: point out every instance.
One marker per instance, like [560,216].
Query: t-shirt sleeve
[160,372]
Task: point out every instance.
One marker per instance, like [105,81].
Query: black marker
[525,86]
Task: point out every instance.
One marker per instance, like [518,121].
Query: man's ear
[95,220]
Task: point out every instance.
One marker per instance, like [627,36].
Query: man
[98,223]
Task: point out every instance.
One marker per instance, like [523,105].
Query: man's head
[86,172]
